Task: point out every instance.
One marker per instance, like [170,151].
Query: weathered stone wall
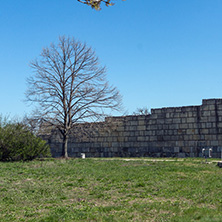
[166,132]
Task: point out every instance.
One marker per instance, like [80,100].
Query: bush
[18,143]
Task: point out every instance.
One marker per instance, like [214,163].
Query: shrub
[18,143]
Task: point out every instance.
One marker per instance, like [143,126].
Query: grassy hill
[111,190]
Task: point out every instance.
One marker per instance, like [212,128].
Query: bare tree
[96,4]
[142,111]
[69,86]
[36,125]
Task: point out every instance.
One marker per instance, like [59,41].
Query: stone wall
[166,132]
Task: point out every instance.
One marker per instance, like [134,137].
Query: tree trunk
[65,146]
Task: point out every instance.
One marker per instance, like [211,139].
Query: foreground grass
[110,190]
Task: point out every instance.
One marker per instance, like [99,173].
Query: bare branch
[96,3]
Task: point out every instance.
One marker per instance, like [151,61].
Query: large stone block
[204,131]
[113,144]
[176,149]
[132,139]
[151,121]
[213,131]
[160,121]
[153,127]
[120,139]
[168,121]
[159,132]
[132,128]
[176,120]
[174,126]
[214,143]
[191,120]
[141,127]
[141,138]
[190,131]
[208,101]
[183,126]
[183,120]
[120,128]
[153,138]
[168,149]
[165,126]
[140,133]
[156,111]
[152,117]
[206,113]
[181,155]
[166,138]
[211,107]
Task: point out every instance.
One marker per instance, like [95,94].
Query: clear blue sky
[158,53]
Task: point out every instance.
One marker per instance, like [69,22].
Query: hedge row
[18,143]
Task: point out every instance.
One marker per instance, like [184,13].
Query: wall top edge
[212,101]
[217,101]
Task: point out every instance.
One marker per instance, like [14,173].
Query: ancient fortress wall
[166,132]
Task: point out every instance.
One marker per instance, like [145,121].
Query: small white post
[83,155]
[203,152]
[210,152]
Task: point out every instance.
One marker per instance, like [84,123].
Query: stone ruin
[166,132]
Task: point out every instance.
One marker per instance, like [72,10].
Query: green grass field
[111,190]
